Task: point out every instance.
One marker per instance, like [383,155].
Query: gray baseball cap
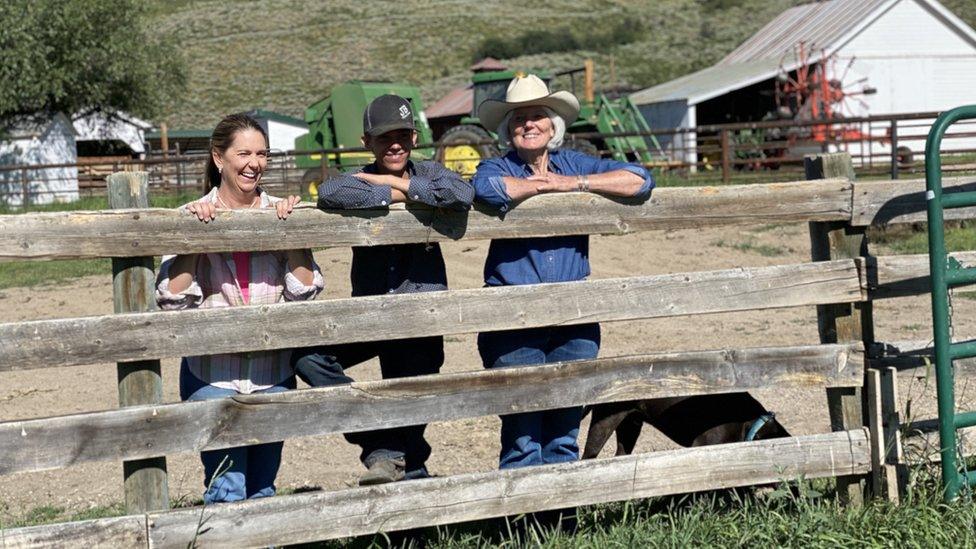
[387,113]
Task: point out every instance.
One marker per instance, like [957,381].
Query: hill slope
[284,54]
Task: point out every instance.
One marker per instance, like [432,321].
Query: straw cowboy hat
[528,91]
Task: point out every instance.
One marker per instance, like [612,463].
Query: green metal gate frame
[946,273]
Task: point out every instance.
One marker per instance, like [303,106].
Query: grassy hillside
[284,54]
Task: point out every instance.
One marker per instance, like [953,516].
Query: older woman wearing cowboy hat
[531,121]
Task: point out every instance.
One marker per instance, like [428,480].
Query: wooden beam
[127,531]
[318,516]
[896,475]
[403,505]
[135,432]
[907,355]
[64,235]
[140,382]
[844,320]
[903,201]
[903,275]
[92,340]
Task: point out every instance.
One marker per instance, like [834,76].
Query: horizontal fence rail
[139,336]
[131,233]
[147,431]
[889,202]
[396,506]
[904,275]
[127,233]
[143,431]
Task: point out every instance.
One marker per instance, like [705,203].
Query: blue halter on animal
[759,424]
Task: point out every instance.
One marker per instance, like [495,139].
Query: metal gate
[946,273]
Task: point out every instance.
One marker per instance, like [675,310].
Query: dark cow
[689,421]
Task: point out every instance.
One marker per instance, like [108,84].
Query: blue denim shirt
[398,268]
[545,259]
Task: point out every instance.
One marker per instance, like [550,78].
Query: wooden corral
[842,281]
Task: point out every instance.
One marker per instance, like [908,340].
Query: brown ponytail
[223,135]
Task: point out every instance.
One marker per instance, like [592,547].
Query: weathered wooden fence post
[726,156]
[25,189]
[140,382]
[894,149]
[841,322]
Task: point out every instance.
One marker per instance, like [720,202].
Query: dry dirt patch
[328,462]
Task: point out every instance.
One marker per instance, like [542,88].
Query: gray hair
[558,124]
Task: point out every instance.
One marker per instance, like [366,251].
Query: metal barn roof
[457,102]
[711,82]
[821,26]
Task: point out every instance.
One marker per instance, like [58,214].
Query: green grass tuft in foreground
[807,516]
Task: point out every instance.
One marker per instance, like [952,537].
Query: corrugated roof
[711,82]
[458,101]
[820,26]
[488,64]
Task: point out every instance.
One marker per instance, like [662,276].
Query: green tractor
[336,122]
[463,146]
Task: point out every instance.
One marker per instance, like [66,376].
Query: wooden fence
[842,282]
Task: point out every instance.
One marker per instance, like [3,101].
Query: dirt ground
[328,462]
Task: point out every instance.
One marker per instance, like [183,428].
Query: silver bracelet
[580,182]
[585,185]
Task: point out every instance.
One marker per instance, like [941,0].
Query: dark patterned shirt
[398,268]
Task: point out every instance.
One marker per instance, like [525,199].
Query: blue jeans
[326,366]
[244,472]
[536,438]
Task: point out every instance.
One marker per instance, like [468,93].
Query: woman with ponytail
[238,158]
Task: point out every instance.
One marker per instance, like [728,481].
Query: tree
[75,55]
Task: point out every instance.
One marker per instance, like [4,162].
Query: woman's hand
[205,211]
[285,206]
[554,183]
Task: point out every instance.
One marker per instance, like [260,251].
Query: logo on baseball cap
[387,113]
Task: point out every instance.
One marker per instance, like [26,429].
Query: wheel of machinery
[461,148]
[905,156]
[312,178]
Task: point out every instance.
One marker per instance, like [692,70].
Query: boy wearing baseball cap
[389,132]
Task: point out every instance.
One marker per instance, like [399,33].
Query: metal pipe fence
[891,144]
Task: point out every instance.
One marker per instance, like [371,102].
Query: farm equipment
[463,146]
[815,91]
[336,122]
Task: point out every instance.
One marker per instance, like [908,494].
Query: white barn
[918,55]
[104,133]
[32,141]
[282,129]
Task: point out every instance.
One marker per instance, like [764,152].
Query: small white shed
[109,133]
[36,141]
[282,129]
[918,55]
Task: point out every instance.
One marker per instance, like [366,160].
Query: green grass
[806,516]
[751,246]
[914,240]
[305,47]
[16,274]
[87,203]
[49,514]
